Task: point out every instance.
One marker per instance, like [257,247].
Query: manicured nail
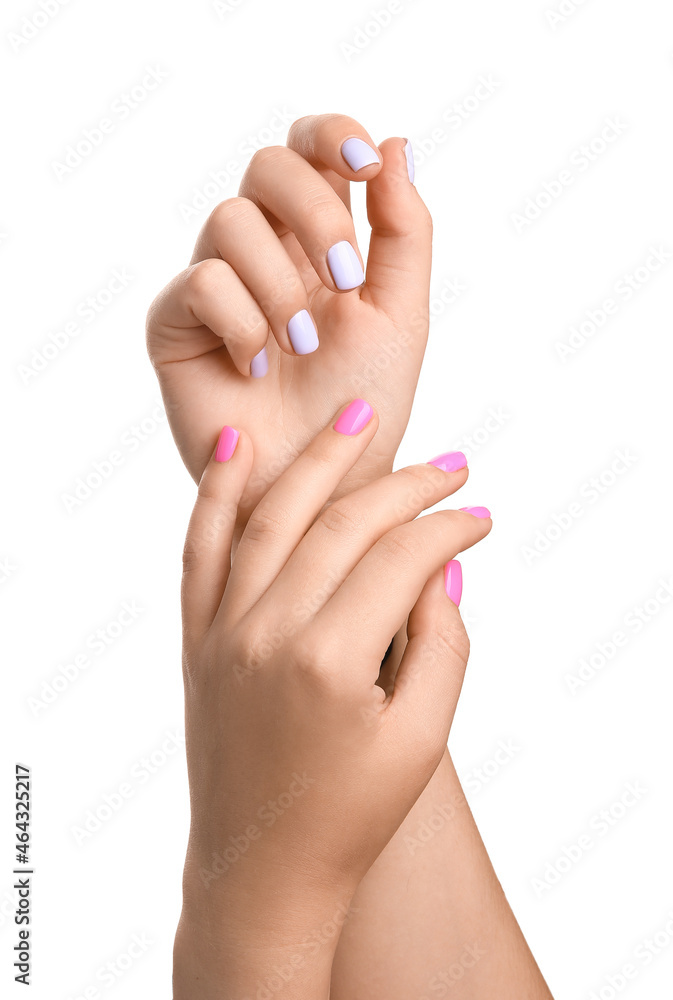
[302,333]
[345,266]
[226,446]
[453,581]
[259,365]
[411,168]
[358,154]
[477,511]
[451,461]
[356,416]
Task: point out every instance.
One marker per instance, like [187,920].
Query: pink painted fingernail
[356,416]
[477,511]
[451,461]
[226,445]
[453,581]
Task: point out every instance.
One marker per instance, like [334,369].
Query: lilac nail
[302,333]
[451,461]
[345,266]
[453,581]
[411,168]
[358,154]
[259,365]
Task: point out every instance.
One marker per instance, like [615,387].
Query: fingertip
[359,155]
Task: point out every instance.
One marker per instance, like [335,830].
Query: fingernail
[259,365]
[226,446]
[302,333]
[356,416]
[411,168]
[453,581]
[345,266]
[451,461]
[358,154]
[477,511]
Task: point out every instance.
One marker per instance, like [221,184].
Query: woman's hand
[301,766]
[268,267]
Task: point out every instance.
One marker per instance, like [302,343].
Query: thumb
[400,248]
[430,676]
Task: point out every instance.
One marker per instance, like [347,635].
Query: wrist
[273,937]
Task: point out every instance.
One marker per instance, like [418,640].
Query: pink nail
[453,581]
[356,416]
[477,511]
[450,461]
[226,445]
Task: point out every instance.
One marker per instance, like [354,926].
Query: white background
[534,615]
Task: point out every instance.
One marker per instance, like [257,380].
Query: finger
[296,198]
[202,308]
[338,147]
[430,676]
[238,232]
[400,249]
[285,514]
[206,556]
[349,527]
[374,600]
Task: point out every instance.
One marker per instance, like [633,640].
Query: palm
[283,411]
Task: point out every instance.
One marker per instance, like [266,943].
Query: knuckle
[261,158]
[398,546]
[319,203]
[230,211]
[314,658]
[203,279]
[265,525]
[342,518]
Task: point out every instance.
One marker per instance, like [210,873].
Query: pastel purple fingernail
[259,365]
[451,461]
[226,445]
[358,154]
[356,416]
[453,581]
[345,266]
[477,511]
[411,167]
[302,333]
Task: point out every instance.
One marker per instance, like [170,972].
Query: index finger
[338,147]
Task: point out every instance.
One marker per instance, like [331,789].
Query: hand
[301,766]
[261,259]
